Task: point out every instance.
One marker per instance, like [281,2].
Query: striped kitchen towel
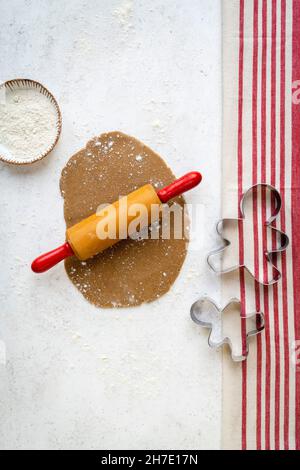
[261,143]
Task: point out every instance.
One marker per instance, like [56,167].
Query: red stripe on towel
[264,234]
[255,214]
[286,376]
[296,204]
[273,182]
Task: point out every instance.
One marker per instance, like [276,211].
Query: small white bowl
[18,84]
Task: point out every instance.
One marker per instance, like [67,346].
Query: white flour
[28,124]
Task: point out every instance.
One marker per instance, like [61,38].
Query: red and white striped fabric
[261,143]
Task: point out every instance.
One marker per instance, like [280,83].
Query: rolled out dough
[133,271]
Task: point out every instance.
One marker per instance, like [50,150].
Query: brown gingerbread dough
[133,271]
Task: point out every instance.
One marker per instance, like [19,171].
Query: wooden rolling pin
[82,239]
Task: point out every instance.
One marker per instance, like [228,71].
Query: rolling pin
[82,240]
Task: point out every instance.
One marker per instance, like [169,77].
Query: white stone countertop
[78,377]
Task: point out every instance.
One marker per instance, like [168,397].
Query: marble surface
[74,376]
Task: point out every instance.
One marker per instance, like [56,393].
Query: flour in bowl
[28,123]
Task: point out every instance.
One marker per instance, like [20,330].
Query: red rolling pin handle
[183,184]
[50,259]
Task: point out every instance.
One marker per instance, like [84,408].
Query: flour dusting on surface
[124,14]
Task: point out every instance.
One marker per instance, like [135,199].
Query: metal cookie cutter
[279,238]
[225,325]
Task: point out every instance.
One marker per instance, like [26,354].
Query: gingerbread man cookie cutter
[215,257]
[220,321]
